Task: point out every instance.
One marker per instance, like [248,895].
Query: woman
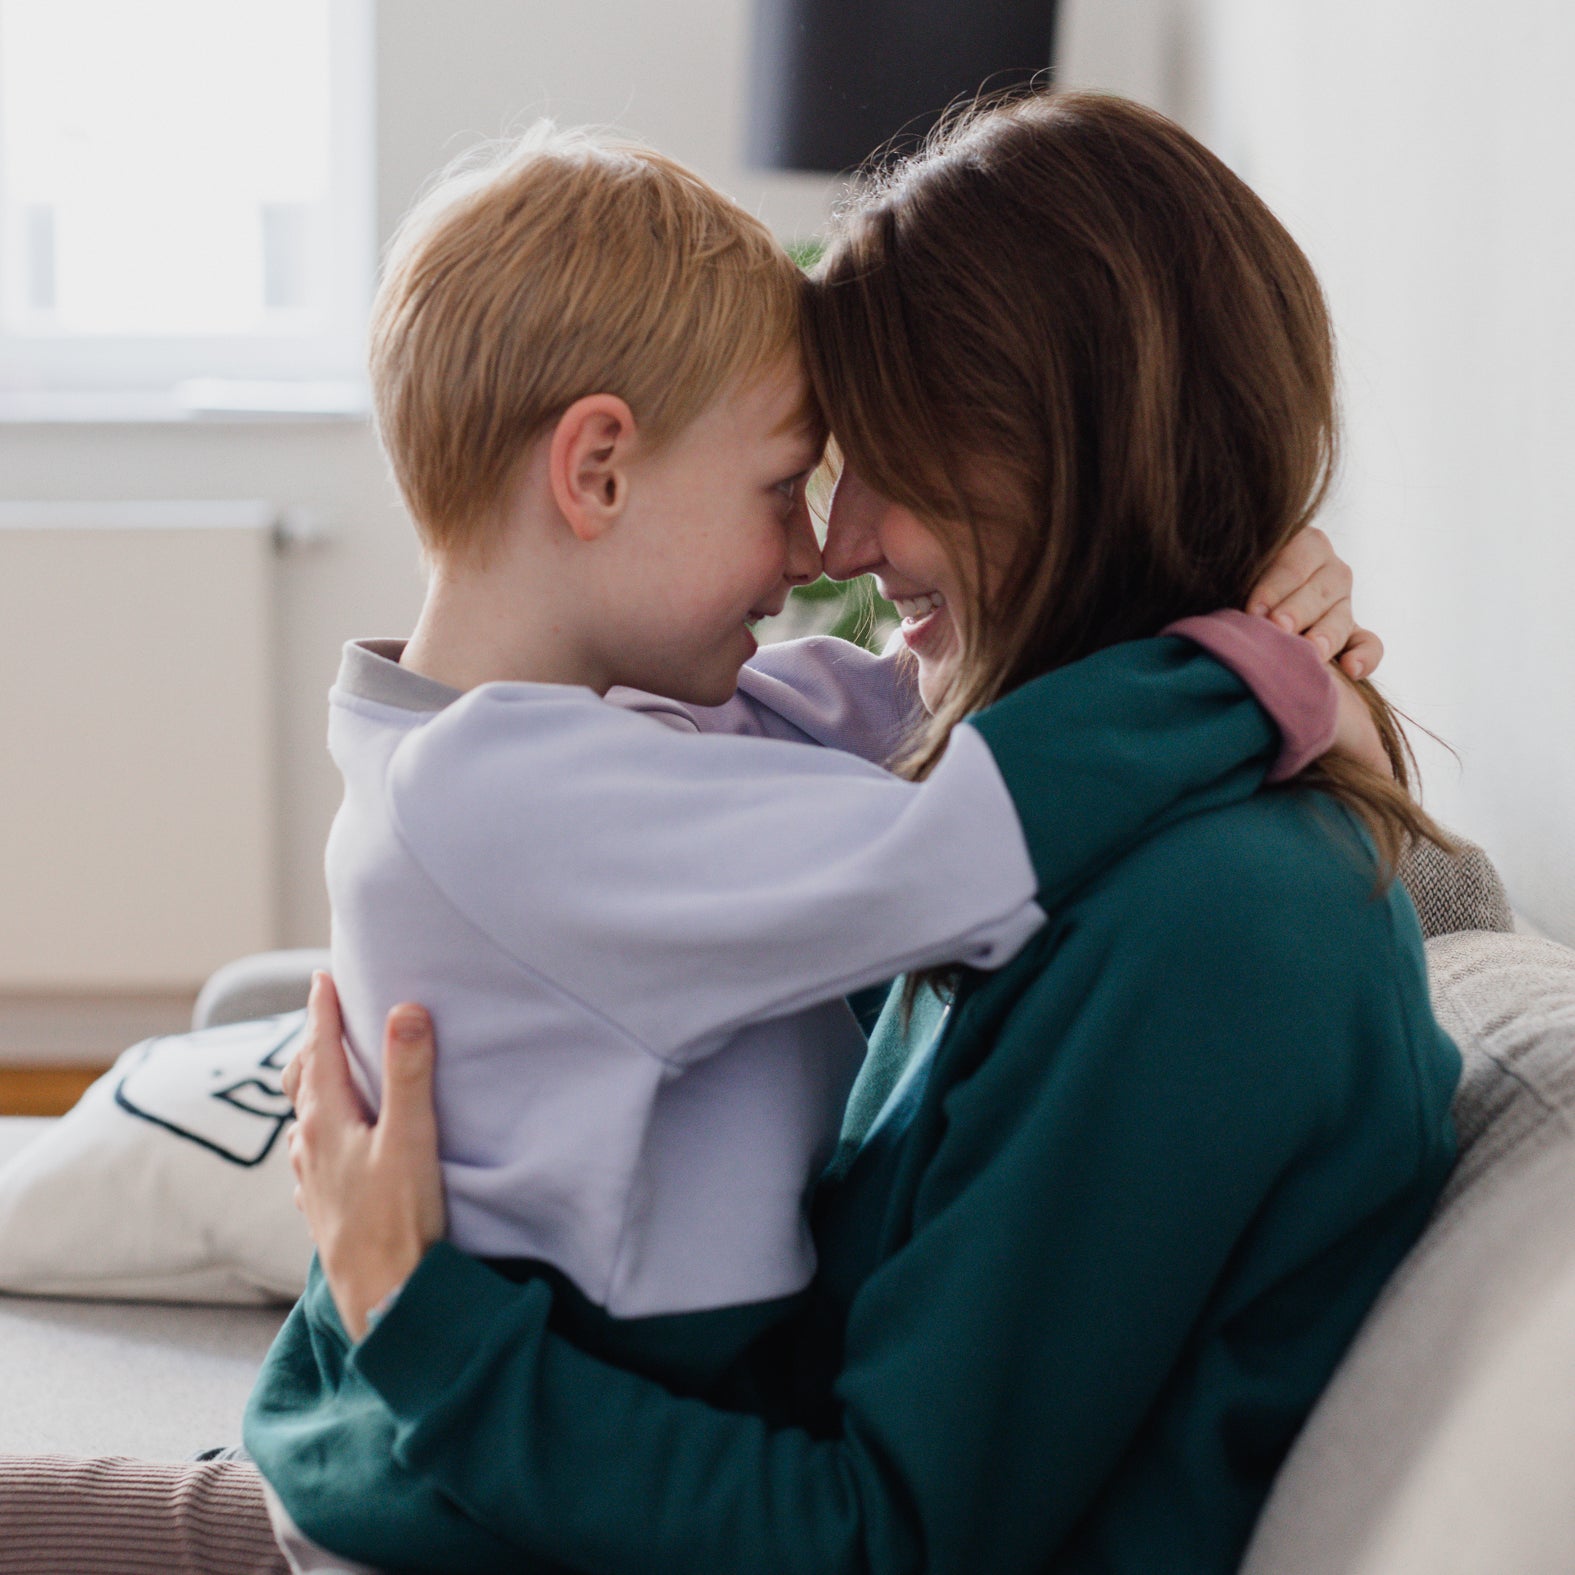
[1086,1264]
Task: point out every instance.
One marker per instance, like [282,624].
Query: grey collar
[370,669]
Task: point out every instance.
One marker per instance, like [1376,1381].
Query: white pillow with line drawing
[168,1181]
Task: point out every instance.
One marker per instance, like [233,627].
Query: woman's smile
[913,608]
[868,533]
[926,622]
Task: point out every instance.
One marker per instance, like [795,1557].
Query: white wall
[1423,151]
[446,74]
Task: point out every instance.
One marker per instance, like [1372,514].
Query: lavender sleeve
[818,690]
[829,692]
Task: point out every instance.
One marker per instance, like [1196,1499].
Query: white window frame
[52,364]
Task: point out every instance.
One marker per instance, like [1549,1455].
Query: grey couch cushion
[1455,891]
[123,1378]
[1446,1442]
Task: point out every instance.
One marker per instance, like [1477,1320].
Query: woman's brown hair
[1067,327]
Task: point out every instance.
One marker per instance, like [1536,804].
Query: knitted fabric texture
[112,1516]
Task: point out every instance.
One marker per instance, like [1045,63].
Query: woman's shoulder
[1240,971]
[1288,870]
[1257,935]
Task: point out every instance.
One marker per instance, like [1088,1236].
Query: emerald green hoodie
[1080,1282]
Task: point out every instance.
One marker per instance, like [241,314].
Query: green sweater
[1079,1286]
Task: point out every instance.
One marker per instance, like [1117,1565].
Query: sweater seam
[407,846]
[626,1210]
[1412,1047]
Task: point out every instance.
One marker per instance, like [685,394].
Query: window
[185,192]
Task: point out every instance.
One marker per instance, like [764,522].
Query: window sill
[199,402]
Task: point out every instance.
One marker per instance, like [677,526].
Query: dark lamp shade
[831,81]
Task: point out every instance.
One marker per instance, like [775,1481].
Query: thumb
[407,1116]
[319,1074]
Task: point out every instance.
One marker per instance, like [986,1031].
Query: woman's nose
[853,529]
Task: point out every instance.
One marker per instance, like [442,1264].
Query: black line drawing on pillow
[220,1089]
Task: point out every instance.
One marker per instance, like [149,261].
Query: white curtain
[1423,152]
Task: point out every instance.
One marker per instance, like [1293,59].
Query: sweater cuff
[451,1291]
[1286,675]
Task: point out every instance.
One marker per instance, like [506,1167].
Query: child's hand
[372,1192]
[1307,590]
[1356,735]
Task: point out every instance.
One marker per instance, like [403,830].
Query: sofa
[154,1379]
[1444,1445]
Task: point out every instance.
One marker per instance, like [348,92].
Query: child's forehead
[776,405]
[797,411]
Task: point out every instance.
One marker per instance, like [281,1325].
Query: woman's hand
[1307,590]
[372,1192]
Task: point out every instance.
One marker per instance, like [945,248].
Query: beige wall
[446,75]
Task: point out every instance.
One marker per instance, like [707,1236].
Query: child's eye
[787,488]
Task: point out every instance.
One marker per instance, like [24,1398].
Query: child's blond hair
[566,263]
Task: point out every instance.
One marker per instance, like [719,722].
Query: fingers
[1332,631]
[296,1144]
[406,1134]
[323,1021]
[1323,595]
[291,1081]
[1302,557]
[407,1119]
[324,1076]
[1362,654]
[1307,590]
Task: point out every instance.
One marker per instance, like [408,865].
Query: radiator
[137,803]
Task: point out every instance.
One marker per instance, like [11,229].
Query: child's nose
[803,554]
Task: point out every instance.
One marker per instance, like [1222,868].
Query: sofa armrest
[1455,892]
[1445,1441]
[259,986]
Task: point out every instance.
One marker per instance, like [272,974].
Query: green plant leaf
[848,609]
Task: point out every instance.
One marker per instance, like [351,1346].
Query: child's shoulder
[515,745]
[501,721]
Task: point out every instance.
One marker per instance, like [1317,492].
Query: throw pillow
[169,1181]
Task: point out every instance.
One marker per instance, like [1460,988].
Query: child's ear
[588,463]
